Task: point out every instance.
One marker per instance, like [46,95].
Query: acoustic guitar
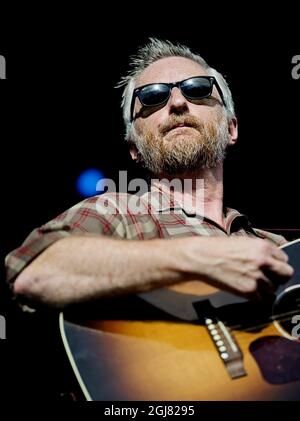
[189,342]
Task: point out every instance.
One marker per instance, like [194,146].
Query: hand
[243,265]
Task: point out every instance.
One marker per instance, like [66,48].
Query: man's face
[179,136]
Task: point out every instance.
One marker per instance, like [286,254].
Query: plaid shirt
[159,216]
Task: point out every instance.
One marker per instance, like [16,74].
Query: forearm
[77,269]
[83,268]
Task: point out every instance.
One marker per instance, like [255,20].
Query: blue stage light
[87,182]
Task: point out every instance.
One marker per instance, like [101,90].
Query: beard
[182,151]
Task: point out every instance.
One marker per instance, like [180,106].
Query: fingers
[280,268]
[270,278]
[280,254]
[275,272]
[276,266]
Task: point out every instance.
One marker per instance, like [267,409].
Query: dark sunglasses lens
[196,88]
[154,94]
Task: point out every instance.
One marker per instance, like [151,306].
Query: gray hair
[155,50]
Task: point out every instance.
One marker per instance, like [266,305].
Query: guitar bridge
[225,343]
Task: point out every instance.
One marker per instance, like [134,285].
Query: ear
[133,152]
[233,131]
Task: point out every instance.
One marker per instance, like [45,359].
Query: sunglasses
[193,89]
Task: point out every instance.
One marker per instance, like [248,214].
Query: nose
[177,103]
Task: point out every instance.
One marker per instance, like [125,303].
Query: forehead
[170,69]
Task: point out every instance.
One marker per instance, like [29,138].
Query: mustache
[176,120]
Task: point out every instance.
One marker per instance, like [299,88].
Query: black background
[60,112]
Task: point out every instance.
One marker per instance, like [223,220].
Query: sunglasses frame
[171,85]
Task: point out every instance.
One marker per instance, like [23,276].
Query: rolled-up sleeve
[90,216]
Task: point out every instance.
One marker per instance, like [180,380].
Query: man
[180,120]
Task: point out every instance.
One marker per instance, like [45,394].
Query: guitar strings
[280,318]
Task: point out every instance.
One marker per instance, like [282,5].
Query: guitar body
[192,342]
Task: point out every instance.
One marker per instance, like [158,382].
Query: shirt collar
[161,199]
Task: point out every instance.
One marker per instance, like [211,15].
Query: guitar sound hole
[286,312]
